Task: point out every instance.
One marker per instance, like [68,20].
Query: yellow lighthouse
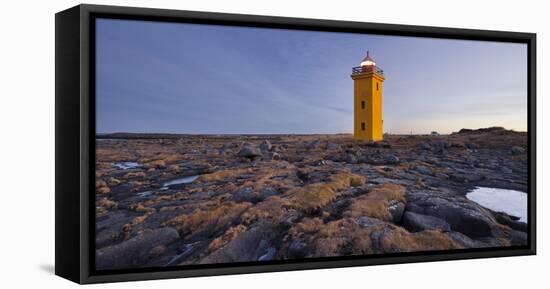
[367,100]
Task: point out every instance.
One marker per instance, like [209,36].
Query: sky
[207,79]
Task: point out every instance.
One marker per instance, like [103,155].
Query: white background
[27,144]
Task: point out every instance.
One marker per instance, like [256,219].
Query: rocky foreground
[169,200]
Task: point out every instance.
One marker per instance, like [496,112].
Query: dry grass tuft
[315,196]
[336,238]
[157,164]
[375,204]
[103,190]
[306,226]
[218,217]
[272,208]
[100,183]
[399,240]
[223,240]
[107,204]
[221,175]
[141,175]
[157,251]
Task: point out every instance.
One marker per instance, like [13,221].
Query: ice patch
[126,165]
[511,202]
[184,180]
[144,194]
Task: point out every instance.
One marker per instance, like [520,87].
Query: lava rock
[516,150]
[423,170]
[425,146]
[250,245]
[268,191]
[249,152]
[461,214]
[392,159]
[266,145]
[134,252]
[415,222]
[245,195]
[350,159]
[396,210]
[314,145]
[333,146]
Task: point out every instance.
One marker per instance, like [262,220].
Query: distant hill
[494,130]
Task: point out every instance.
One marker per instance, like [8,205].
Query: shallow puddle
[184,180]
[126,165]
[511,202]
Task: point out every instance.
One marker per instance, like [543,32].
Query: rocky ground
[168,200]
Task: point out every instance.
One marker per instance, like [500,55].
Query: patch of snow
[184,180]
[268,255]
[186,249]
[144,194]
[511,202]
[126,165]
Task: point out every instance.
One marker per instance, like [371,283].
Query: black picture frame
[75,141]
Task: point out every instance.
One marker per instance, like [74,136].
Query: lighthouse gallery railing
[366,69]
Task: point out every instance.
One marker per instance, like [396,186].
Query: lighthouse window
[362,126]
[377,86]
[362,104]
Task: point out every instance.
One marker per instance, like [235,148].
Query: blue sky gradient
[206,79]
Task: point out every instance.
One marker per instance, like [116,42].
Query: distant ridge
[129,135]
[498,130]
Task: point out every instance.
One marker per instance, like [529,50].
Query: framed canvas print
[193,144]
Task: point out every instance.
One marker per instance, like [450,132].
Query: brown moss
[139,207]
[106,203]
[227,237]
[157,164]
[399,240]
[100,183]
[272,208]
[221,175]
[135,175]
[157,251]
[217,217]
[307,226]
[135,221]
[376,203]
[103,190]
[314,196]
[174,168]
[114,182]
[336,238]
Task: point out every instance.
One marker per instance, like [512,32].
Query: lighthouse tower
[367,100]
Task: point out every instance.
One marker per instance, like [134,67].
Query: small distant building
[367,102]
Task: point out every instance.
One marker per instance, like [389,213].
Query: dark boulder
[245,195]
[517,150]
[333,146]
[316,144]
[266,145]
[297,249]
[392,159]
[350,158]
[134,252]
[461,214]
[253,244]
[249,152]
[423,170]
[415,222]
[267,192]
[425,146]
[396,210]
